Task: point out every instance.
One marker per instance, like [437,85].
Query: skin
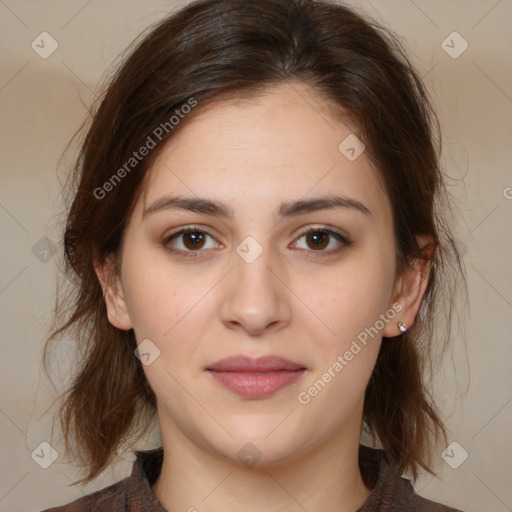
[294,300]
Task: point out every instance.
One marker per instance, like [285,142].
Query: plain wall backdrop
[44,91]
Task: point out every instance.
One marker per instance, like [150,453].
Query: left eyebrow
[291,209]
[304,206]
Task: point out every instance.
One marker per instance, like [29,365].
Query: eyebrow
[291,209]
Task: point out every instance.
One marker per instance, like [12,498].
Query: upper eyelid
[189,228]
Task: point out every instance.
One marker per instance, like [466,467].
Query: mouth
[255,378]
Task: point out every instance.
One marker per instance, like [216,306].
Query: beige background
[43,102]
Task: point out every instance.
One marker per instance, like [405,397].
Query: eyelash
[345,242]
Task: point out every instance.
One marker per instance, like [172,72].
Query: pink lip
[256,378]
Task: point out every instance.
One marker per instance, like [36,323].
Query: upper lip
[250,364]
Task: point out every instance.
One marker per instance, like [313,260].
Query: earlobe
[113,294]
[410,289]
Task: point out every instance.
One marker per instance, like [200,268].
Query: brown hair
[204,51]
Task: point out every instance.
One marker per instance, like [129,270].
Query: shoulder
[389,490]
[416,503]
[111,498]
[132,493]
[406,498]
[423,505]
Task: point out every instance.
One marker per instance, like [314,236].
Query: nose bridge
[252,276]
[254,298]
[252,265]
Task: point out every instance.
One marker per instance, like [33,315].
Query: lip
[251,364]
[255,377]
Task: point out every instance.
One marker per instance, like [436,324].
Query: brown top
[390,492]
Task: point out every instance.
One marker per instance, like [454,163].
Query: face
[289,253]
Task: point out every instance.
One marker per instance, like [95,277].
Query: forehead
[279,145]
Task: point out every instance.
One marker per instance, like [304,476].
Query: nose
[255,298]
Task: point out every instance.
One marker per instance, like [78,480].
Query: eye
[323,240]
[189,240]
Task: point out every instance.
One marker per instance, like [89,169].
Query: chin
[255,447]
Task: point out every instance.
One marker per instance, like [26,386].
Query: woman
[259,254]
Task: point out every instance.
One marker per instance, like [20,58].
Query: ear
[410,287]
[113,294]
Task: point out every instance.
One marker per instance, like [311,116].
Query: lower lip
[257,384]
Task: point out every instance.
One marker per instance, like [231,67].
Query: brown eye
[322,241]
[190,242]
[193,240]
[317,240]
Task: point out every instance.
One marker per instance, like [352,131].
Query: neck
[325,479]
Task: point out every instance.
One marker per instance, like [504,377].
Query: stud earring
[402,327]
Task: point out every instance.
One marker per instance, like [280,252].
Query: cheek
[345,354]
[173,309]
[158,298]
[170,309]
[348,300]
